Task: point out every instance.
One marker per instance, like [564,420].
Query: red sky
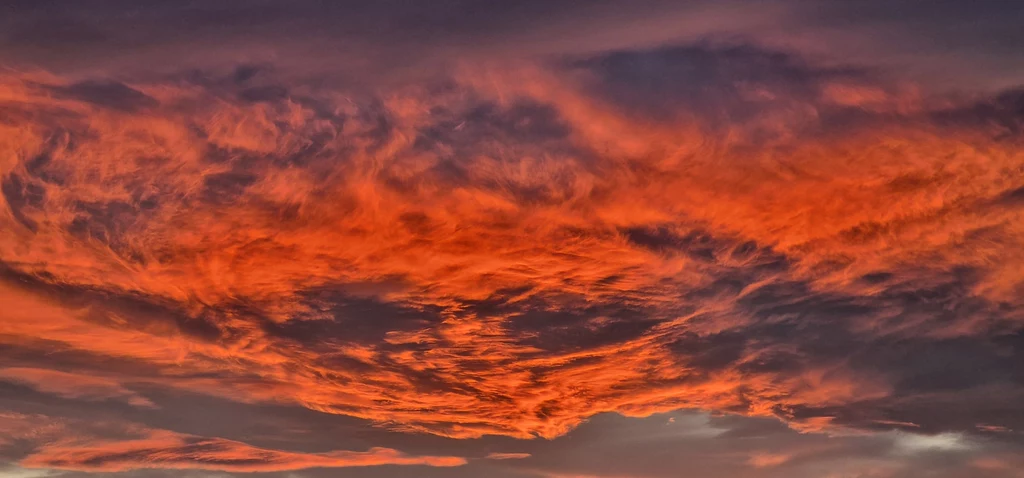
[528,240]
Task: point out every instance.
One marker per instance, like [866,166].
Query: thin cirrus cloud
[170,451]
[63,445]
[507,456]
[512,250]
[73,385]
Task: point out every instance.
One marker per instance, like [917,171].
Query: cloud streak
[72,385]
[77,445]
[172,451]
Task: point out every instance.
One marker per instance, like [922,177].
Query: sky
[522,239]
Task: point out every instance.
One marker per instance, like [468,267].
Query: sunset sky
[512,239]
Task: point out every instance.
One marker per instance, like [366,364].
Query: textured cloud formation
[72,386]
[510,251]
[64,445]
[168,450]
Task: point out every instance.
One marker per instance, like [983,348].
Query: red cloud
[73,385]
[169,450]
[526,256]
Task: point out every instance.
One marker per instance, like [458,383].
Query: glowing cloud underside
[511,252]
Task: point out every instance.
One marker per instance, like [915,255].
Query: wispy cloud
[505,249]
[73,385]
[75,445]
[524,249]
[507,456]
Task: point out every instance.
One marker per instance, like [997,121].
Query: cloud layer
[513,250]
[68,446]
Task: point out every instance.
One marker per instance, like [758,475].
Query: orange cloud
[509,257]
[767,460]
[169,450]
[507,456]
[73,385]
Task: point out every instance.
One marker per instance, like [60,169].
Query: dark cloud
[109,308]
[109,94]
[383,40]
[20,194]
[524,122]
[729,83]
[1005,112]
[263,94]
[344,317]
